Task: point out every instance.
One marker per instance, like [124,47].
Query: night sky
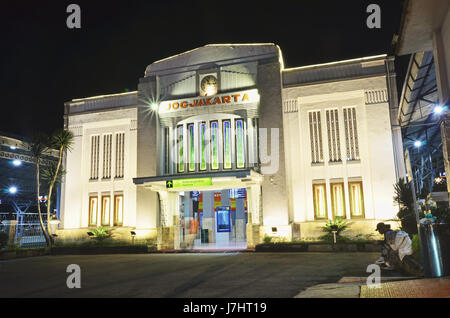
[44,64]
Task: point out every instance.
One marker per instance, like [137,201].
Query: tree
[62,140]
[39,146]
[404,198]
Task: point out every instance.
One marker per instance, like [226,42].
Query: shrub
[408,221]
[415,245]
[442,214]
[101,233]
[267,239]
[3,239]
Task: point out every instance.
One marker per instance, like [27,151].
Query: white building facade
[222,145]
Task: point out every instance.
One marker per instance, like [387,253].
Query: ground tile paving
[417,288]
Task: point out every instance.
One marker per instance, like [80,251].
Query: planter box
[280,247]
[314,247]
[93,250]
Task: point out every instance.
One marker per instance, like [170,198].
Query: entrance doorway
[213,220]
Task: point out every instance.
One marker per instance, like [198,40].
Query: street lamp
[133,235]
[12,190]
[54,223]
[417,143]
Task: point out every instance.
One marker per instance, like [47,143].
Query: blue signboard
[195,194]
[223,216]
[238,193]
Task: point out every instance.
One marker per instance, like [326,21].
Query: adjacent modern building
[222,145]
[425,34]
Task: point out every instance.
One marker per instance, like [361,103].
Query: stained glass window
[202,146]
[214,145]
[320,201]
[191,150]
[240,155]
[106,209]
[118,209]
[338,199]
[180,148]
[226,144]
[356,199]
[93,210]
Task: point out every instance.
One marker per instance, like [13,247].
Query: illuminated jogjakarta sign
[234,98]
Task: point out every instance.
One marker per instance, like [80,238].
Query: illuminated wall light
[417,143]
[12,147]
[154,106]
[17,162]
[12,190]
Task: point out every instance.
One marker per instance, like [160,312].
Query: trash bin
[436,243]
[204,236]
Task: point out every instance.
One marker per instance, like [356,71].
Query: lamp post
[54,224]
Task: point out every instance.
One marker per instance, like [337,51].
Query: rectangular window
[120,152]
[226,126]
[240,154]
[93,210]
[334,149]
[118,209]
[351,134]
[107,149]
[338,199]
[214,145]
[315,130]
[95,149]
[191,149]
[320,201]
[356,197]
[106,209]
[202,146]
[166,150]
[180,149]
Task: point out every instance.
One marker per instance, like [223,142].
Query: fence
[28,229]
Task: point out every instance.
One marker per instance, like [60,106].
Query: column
[209,215]
[169,225]
[254,216]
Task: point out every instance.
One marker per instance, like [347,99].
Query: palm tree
[62,140]
[38,146]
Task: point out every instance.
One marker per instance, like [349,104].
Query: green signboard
[194,182]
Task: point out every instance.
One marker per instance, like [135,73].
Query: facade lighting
[17,162]
[154,106]
[417,143]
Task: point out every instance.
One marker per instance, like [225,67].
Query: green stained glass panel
[180,149]
[191,148]
[240,159]
[227,144]
[202,146]
[214,146]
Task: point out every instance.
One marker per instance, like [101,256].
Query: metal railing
[28,229]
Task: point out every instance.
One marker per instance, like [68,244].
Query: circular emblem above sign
[208,85]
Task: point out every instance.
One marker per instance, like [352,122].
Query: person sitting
[395,247]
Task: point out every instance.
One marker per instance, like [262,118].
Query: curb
[6,255]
